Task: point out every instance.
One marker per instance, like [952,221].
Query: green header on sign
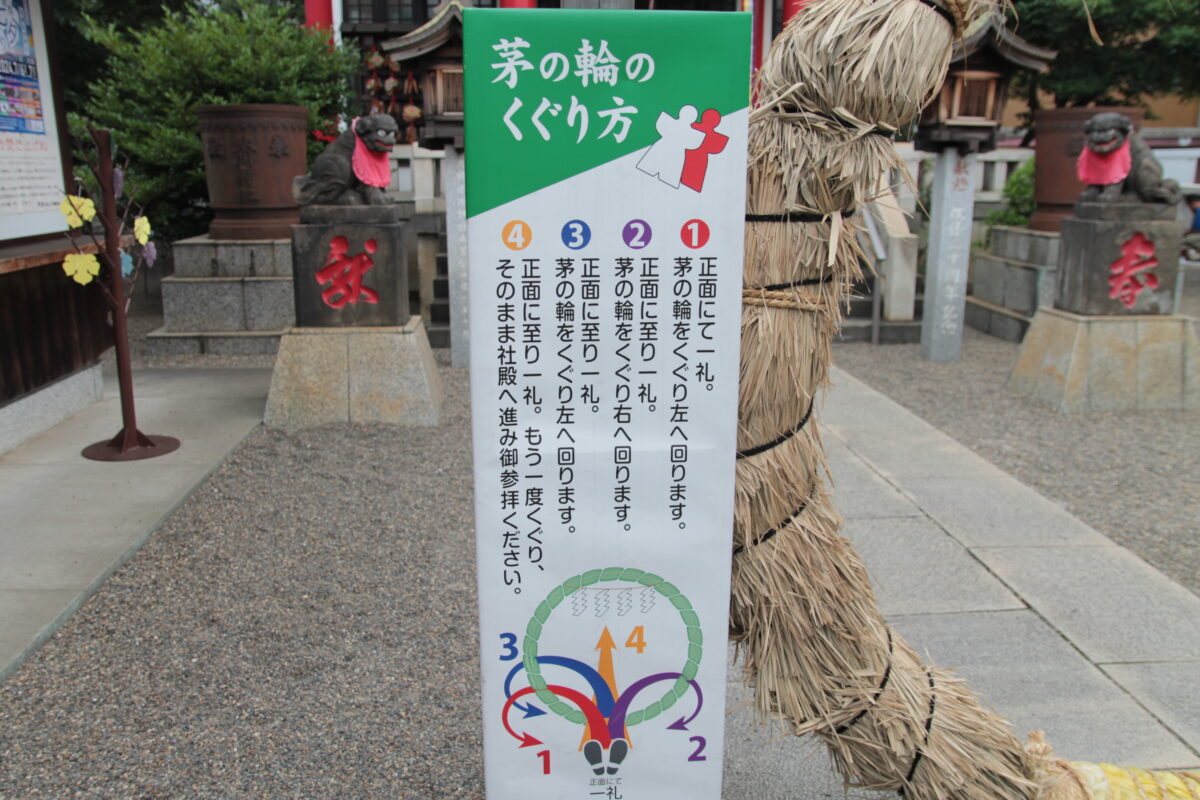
[553,93]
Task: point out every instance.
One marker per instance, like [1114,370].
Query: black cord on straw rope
[779,287]
[912,770]
[778,440]
[794,216]
[887,676]
[771,533]
[943,11]
[881,129]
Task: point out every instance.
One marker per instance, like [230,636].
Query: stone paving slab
[199,424]
[852,404]
[1111,605]
[764,762]
[904,454]
[1031,676]
[1170,690]
[859,492]
[28,617]
[998,511]
[70,522]
[916,568]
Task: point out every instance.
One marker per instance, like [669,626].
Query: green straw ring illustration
[669,591]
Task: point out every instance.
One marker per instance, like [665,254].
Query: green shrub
[236,51]
[1019,204]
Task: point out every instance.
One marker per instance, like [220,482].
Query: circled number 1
[695,233]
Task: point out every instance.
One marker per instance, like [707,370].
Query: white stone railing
[992,171]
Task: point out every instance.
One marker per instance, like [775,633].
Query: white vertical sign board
[605,201]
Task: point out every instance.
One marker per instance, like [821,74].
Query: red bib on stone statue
[1102,169]
[372,167]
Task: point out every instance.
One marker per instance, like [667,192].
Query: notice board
[605,180]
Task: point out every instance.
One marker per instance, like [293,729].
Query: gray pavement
[68,522]
[1057,627]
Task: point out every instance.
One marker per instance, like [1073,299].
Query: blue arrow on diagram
[600,688]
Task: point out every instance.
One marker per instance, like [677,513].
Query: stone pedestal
[350,267]
[1109,363]
[1105,240]
[360,375]
[227,297]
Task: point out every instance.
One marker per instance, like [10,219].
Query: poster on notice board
[31,173]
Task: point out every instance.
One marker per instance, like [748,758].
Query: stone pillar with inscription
[1111,342]
[356,354]
[948,256]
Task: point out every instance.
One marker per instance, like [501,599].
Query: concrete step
[439,334]
[205,257]
[441,288]
[1024,244]
[228,304]
[859,330]
[439,311]
[996,320]
[1011,284]
[443,265]
[860,307]
[163,342]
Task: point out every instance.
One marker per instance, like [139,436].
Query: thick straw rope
[813,643]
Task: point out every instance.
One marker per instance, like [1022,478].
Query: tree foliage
[79,54]
[237,51]
[1150,47]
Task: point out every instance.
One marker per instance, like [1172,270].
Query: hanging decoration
[111,239]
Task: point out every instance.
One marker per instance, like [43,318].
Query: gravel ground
[303,627]
[1133,477]
[264,641]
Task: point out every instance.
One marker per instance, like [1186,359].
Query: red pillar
[518,3]
[318,13]
[790,7]
[755,7]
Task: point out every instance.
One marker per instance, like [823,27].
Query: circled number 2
[636,234]
[516,235]
[509,642]
[576,234]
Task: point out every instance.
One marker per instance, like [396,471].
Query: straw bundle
[837,83]
[842,78]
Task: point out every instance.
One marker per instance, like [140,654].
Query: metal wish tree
[119,246]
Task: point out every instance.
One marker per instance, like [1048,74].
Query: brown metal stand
[129,444]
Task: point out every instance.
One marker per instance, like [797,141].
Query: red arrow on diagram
[597,726]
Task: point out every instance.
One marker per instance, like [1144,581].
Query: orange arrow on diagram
[607,671]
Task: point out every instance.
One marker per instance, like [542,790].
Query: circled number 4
[516,236]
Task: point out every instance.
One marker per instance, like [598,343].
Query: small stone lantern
[961,122]
[966,113]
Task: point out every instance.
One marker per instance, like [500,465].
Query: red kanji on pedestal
[1137,255]
[344,273]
